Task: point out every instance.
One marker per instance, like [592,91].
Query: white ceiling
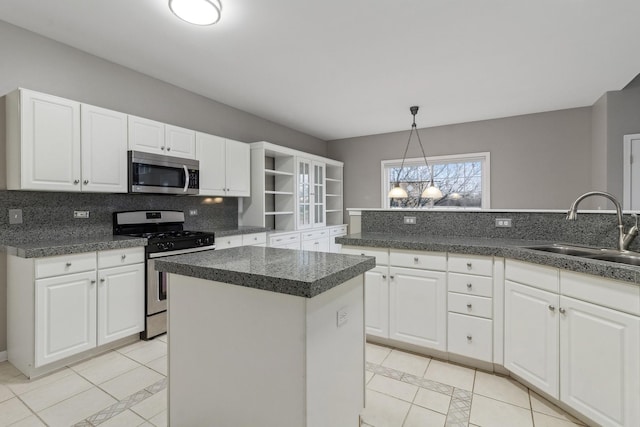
[342,68]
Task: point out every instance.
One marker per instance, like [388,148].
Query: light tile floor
[127,387]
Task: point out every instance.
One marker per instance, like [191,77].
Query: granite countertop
[50,247]
[506,248]
[299,273]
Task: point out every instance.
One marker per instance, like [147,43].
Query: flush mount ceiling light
[431,192]
[198,12]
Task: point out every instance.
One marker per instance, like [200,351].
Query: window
[463,180]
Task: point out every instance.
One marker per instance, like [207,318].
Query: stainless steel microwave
[155,173]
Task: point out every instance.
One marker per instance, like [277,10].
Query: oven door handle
[186,179]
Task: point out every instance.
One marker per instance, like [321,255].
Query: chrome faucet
[624,239]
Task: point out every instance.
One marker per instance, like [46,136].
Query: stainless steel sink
[610,255]
[564,249]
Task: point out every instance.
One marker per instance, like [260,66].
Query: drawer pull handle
[561,310]
[278,240]
[76,181]
[255,238]
[469,337]
[415,259]
[552,307]
[469,285]
[392,277]
[468,266]
[123,257]
[93,282]
[362,254]
[469,305]
[292,238]
[68,264]
[384,276]
[102,280]
[85,182]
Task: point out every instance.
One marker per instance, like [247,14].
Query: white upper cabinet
[225,166]
[311,194]
[43,142]
[55,144]
[155,137]
[104,150]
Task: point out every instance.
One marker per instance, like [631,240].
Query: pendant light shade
[198,12]
[431,192]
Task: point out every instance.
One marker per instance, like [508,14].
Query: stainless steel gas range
[166,236]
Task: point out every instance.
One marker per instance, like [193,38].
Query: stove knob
[161,246]
[170,245]
[199,242]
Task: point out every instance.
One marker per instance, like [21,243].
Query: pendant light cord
[414,111]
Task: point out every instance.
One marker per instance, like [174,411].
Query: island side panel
[236,355]
[335,355]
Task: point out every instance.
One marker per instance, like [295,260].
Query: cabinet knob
[392,276]
[469,337]
[468,266]
[85,182]
[68,264]
[469,305]
[552,307]
[561,310]
[93,282]
[469,285]
[416,259]
[102,280]
[162,148]
[123,257]
[278,240]
[76,181]
[384,276]
[362,254]
[168,148]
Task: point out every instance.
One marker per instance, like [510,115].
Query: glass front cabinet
[311,194]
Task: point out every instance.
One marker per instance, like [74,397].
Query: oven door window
[158,176]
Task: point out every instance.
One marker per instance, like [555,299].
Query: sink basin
[623,258]
[564,249]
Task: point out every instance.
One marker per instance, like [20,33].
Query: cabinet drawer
[470,304]
[254,239]
[538,276]
[228,242]
[65,264]
[470,336]
[418,259]
[284,239]
[292,245]
[382,255]
[118,257]
[313,235]
[470,284]
[338,231]
[599,290]
[471,264]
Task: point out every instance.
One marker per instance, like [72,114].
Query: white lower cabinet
[418,307]
[251,239]
[470,336]
[65,316]
[75,303]
[119,298]
[531,335]
[600,362]
[376,301]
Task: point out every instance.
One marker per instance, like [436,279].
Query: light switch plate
[15,216]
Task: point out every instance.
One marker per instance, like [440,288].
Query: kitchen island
[266,336]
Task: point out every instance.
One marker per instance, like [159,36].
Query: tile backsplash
[49,215]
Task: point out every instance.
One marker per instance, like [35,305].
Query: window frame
[483,157]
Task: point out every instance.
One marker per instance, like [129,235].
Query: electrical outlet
[503,222]
[15,216]
[193,212]
[410,220]
[81,214]
[342,316]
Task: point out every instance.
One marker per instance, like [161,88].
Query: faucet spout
[624,240]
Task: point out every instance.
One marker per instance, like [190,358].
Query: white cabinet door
[316,245]
[180,142]
[50,143]
[376,302]
[210,151]
[65,316]
[238,168]
[318,194]
[120,302]
[531,335]
[600,362]
[104,150]
[311,198]
[418,307]
[146,135]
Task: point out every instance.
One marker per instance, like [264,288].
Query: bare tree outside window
[461,183]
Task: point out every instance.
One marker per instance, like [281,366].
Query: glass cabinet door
[304,194]
[318,194]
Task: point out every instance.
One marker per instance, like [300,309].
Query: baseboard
[3,356]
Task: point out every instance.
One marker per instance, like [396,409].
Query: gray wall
[546,151]
[41,64]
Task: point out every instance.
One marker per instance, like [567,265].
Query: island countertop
[299,273]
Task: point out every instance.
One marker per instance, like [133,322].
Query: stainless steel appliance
[166,236]
[154,173]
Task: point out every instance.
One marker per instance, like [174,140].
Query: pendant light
[431,192]
[198,12]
